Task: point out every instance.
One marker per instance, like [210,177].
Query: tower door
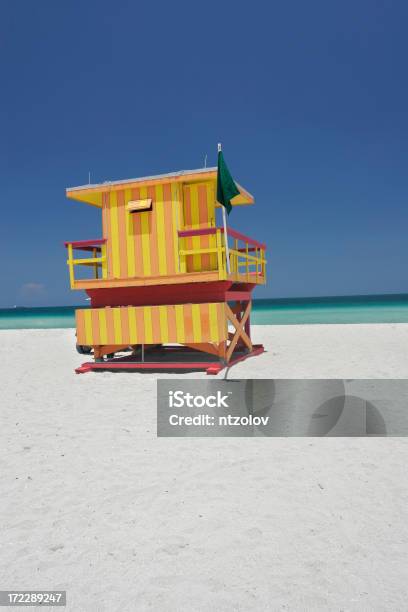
[199,213]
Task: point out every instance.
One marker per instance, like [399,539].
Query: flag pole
[224,219]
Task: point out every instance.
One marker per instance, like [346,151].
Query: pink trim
[231,232]
[231,296]
[197,232]
[85,243]
[183,293]
[234,234]
[150,365]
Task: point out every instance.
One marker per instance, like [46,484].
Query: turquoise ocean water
[345,309]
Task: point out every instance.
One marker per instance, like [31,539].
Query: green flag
[226,188]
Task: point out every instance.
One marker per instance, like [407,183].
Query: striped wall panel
[181,323]
[198,213]
[143,243]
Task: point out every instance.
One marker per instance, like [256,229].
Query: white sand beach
[94,503]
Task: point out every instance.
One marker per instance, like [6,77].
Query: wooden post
[94,254]
[104,267]
[247,262]
[182,259]
[71,266]
[248,325]
[221,275]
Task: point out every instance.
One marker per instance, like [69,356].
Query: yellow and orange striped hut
[158,276]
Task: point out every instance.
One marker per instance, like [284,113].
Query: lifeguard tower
[162,293]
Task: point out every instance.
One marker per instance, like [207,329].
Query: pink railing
[247,260]
[206,231]
[86,245]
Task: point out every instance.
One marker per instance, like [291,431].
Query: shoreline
[274,325]
[326,310]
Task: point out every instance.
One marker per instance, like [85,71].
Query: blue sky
[309,100]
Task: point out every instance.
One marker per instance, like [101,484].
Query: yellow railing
[97,261]
[246,256]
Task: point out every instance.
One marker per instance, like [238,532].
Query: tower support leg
[238,320]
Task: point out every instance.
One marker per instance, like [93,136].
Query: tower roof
[92,194]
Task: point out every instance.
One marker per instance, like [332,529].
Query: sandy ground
[93,503]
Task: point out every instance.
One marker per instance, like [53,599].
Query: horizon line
[299,297]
